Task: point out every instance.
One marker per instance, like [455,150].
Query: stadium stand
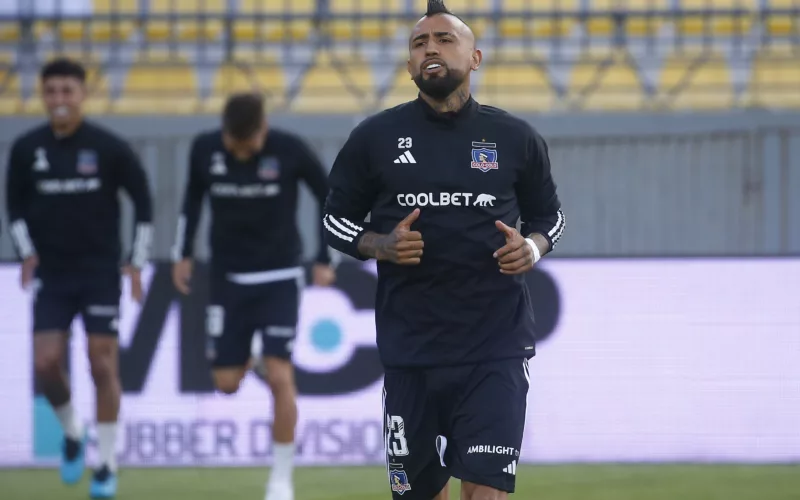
[696,80]
[243,75]
[186,20]
[374,21]
[774,70]
[332,84]
[335,56]
[170,86]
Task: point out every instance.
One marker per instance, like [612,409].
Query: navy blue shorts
[465,422]
[236,312]
[60,296]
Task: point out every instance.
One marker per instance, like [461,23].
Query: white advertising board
[648,360]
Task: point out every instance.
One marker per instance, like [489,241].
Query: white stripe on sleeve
[180,240]
[342,227]
[558,229]
[22,240]
[334,231]
[357,228]
[142,241]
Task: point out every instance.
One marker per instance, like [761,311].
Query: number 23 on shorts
[396,430]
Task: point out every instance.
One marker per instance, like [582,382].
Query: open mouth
[432,67]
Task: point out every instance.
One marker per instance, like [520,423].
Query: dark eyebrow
[438,34]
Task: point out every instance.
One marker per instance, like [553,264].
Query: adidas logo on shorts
[511,469]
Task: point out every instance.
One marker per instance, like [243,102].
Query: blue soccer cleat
[73,460]
[104,484]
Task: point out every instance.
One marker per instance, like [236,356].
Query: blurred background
[668,316]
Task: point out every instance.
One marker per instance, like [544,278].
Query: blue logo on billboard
[326,335]
[47,434]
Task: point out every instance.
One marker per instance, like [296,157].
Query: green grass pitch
[567,482]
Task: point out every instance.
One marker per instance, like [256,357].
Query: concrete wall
[632,185]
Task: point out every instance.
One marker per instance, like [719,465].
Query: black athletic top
[464,171]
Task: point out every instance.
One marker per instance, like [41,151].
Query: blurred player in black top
[445,181]
[63,182]
[251,174]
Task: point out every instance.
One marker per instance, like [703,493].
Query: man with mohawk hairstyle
[445,181]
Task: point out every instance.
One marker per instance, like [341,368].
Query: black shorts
[236,312]
[464,422]
[60,296]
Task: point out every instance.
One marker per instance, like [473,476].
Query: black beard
[439,88]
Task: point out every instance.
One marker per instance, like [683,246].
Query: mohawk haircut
[437,7]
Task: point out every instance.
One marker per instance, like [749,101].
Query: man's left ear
[477,57]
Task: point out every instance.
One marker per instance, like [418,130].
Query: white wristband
[536,255]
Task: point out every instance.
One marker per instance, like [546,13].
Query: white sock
[107,444]
[70,422]
[283,462]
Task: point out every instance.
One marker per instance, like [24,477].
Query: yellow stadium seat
[211,7]
[606,82]
[403,89]
[504,54]
[9,81]
[93,30]
[272,31]
[159,83]
[9,32]
[516,87]
[781,24]
[265,76]
[638,21]
[696,80]
[186,29]
[718,4]
[392,7]
[278,6]
[775,80]
[8,106]
[249,28]
[335,84]
[97,29]
[718,24]
[388,7]
[540,26]
[10,102]
[373,28]
[117,6]
[629,5]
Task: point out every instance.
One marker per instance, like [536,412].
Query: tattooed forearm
[372,245]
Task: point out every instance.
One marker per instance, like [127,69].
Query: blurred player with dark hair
[446,180]
[63,180]
[251,173]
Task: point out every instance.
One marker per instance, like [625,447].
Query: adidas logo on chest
[406,157]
